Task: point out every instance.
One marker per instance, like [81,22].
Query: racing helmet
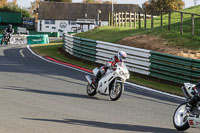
[122,55]
[10,26]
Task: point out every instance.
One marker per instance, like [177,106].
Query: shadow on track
[114,126]
[51,93]
[152,100]
[31,64]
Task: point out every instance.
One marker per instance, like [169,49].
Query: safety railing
[100,52]
[174,68]
[155,64]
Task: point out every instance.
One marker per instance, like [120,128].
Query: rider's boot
[96,79]
[94,83]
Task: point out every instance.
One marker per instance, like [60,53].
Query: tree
[14,2]
[158,5]
[59,0]
[92,1]
[3,3]
[107,2]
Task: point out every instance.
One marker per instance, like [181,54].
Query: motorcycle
[184,119]
[111,83]
[5,38]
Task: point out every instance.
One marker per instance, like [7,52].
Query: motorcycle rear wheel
[180,119]
[90,90]
[116,92]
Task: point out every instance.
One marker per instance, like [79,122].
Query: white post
[112,6]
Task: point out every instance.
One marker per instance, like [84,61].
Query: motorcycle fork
[116,80]
[115,84]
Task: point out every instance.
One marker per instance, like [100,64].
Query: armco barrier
[100,52]
[18,39]
[37,39]
[137,60]
[174,68]
[28,39]
[84,48]
[164,66]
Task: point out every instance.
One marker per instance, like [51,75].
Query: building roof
[73,11]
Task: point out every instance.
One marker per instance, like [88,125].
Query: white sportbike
[184,119]
[111,83]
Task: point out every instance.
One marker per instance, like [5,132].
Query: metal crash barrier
[28,39]
[155,64]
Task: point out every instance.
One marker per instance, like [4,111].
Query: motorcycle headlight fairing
[121,73]
[127,75]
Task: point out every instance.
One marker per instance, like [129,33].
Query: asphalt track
[37,96]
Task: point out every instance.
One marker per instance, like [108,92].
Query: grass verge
[54,50]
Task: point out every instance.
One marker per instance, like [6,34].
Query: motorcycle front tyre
[2,41]
[116,94]
[6,42]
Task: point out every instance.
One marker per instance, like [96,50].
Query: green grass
[56,41]
[157,84]
[114,34]
[54,50]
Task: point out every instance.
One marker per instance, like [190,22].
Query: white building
[72,17]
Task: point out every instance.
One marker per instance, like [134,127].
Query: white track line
[21,52]
[156,91]
[55,62]
[128,83]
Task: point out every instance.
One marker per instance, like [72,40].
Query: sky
[27,3]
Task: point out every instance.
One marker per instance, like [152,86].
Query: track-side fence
[164,66]
[20,39]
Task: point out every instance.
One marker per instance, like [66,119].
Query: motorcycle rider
[120,57]
[10,31]
[196,98]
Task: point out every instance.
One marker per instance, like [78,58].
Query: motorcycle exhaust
[89,79]
[194,122]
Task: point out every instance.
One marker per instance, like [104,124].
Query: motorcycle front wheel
[180,120]
[6,41]
[116,91]
[90,90]
[2,41]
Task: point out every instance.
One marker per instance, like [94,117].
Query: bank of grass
[114,34]
[54,50]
